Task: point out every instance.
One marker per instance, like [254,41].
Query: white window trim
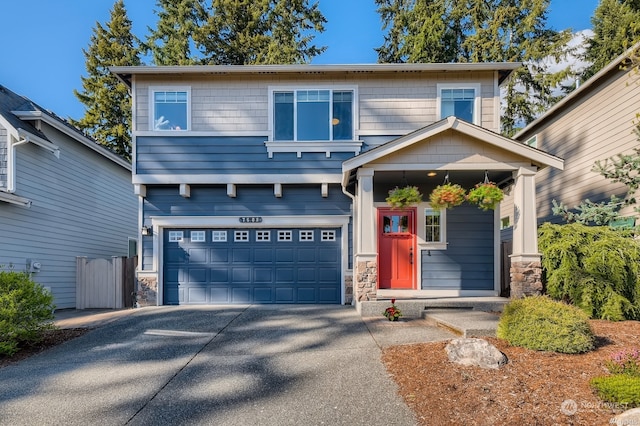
[477,103]
[152,90]
[219,236]
[327,146]
[176,236]
[261,234]
[285,236]
[532,141]
[422,232]
[201,236]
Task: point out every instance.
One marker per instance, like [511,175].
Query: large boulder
[476,352]
[628,418]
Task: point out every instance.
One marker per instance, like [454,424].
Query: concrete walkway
[215,365]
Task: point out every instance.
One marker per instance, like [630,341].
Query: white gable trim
[536,156]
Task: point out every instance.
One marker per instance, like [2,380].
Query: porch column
[526,268]
[365,258]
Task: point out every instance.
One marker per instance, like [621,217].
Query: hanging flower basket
[447,196]
[404,197]
[486,195]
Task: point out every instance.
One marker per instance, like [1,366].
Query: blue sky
[41,41]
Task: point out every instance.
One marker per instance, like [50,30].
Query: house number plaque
[251,219]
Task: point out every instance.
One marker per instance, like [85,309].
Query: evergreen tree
[172,40]
[616,27]
[243,32]
[107,115]
[481,31]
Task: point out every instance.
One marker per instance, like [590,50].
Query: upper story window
[313,115]
[170,108]
[460,100]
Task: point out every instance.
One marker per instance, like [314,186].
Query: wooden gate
[105,283]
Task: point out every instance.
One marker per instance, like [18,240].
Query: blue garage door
[219,266]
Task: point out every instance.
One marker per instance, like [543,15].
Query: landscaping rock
[476,352]
[628,418]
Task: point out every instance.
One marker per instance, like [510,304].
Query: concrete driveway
[217,365]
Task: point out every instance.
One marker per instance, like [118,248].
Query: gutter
[43,143]
[14,199]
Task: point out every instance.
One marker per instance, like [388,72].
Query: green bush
[596,268]
[26,311]
[619,388]
[543,324]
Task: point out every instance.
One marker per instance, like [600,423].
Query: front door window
[395,223]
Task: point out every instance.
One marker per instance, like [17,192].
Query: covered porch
[419,253]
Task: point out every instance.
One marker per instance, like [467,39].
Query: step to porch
[464,322]
[413,307]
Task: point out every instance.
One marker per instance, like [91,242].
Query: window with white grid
[176,236]
[285,236]
[306,235]
[219,236]
[263,235]
[241,236]
[328,236]
[198,236]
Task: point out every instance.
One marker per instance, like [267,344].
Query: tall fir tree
[171,42]
[107,102]
[243,32]
[481,31]
[616,27]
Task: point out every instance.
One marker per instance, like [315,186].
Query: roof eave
[86,141]
[126,73]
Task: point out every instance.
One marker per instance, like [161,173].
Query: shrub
[596,268]
[627,361]
[539,323]
[26,311]
[619,388]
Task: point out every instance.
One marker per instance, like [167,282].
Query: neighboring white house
[61,196]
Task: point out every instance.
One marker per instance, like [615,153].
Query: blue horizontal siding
[468,261]
[250,200]
[227,155]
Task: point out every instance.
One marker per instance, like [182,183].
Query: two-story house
[267,184]
[62,196]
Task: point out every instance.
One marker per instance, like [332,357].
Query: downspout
[353,223]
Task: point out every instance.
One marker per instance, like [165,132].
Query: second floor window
[461,101]
[313,115]
[170,110]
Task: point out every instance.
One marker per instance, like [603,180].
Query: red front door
[396,248]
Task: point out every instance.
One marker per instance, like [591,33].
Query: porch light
[335,121]
[431,174]
[145,231]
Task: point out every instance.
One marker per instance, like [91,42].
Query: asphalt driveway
[217,365]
